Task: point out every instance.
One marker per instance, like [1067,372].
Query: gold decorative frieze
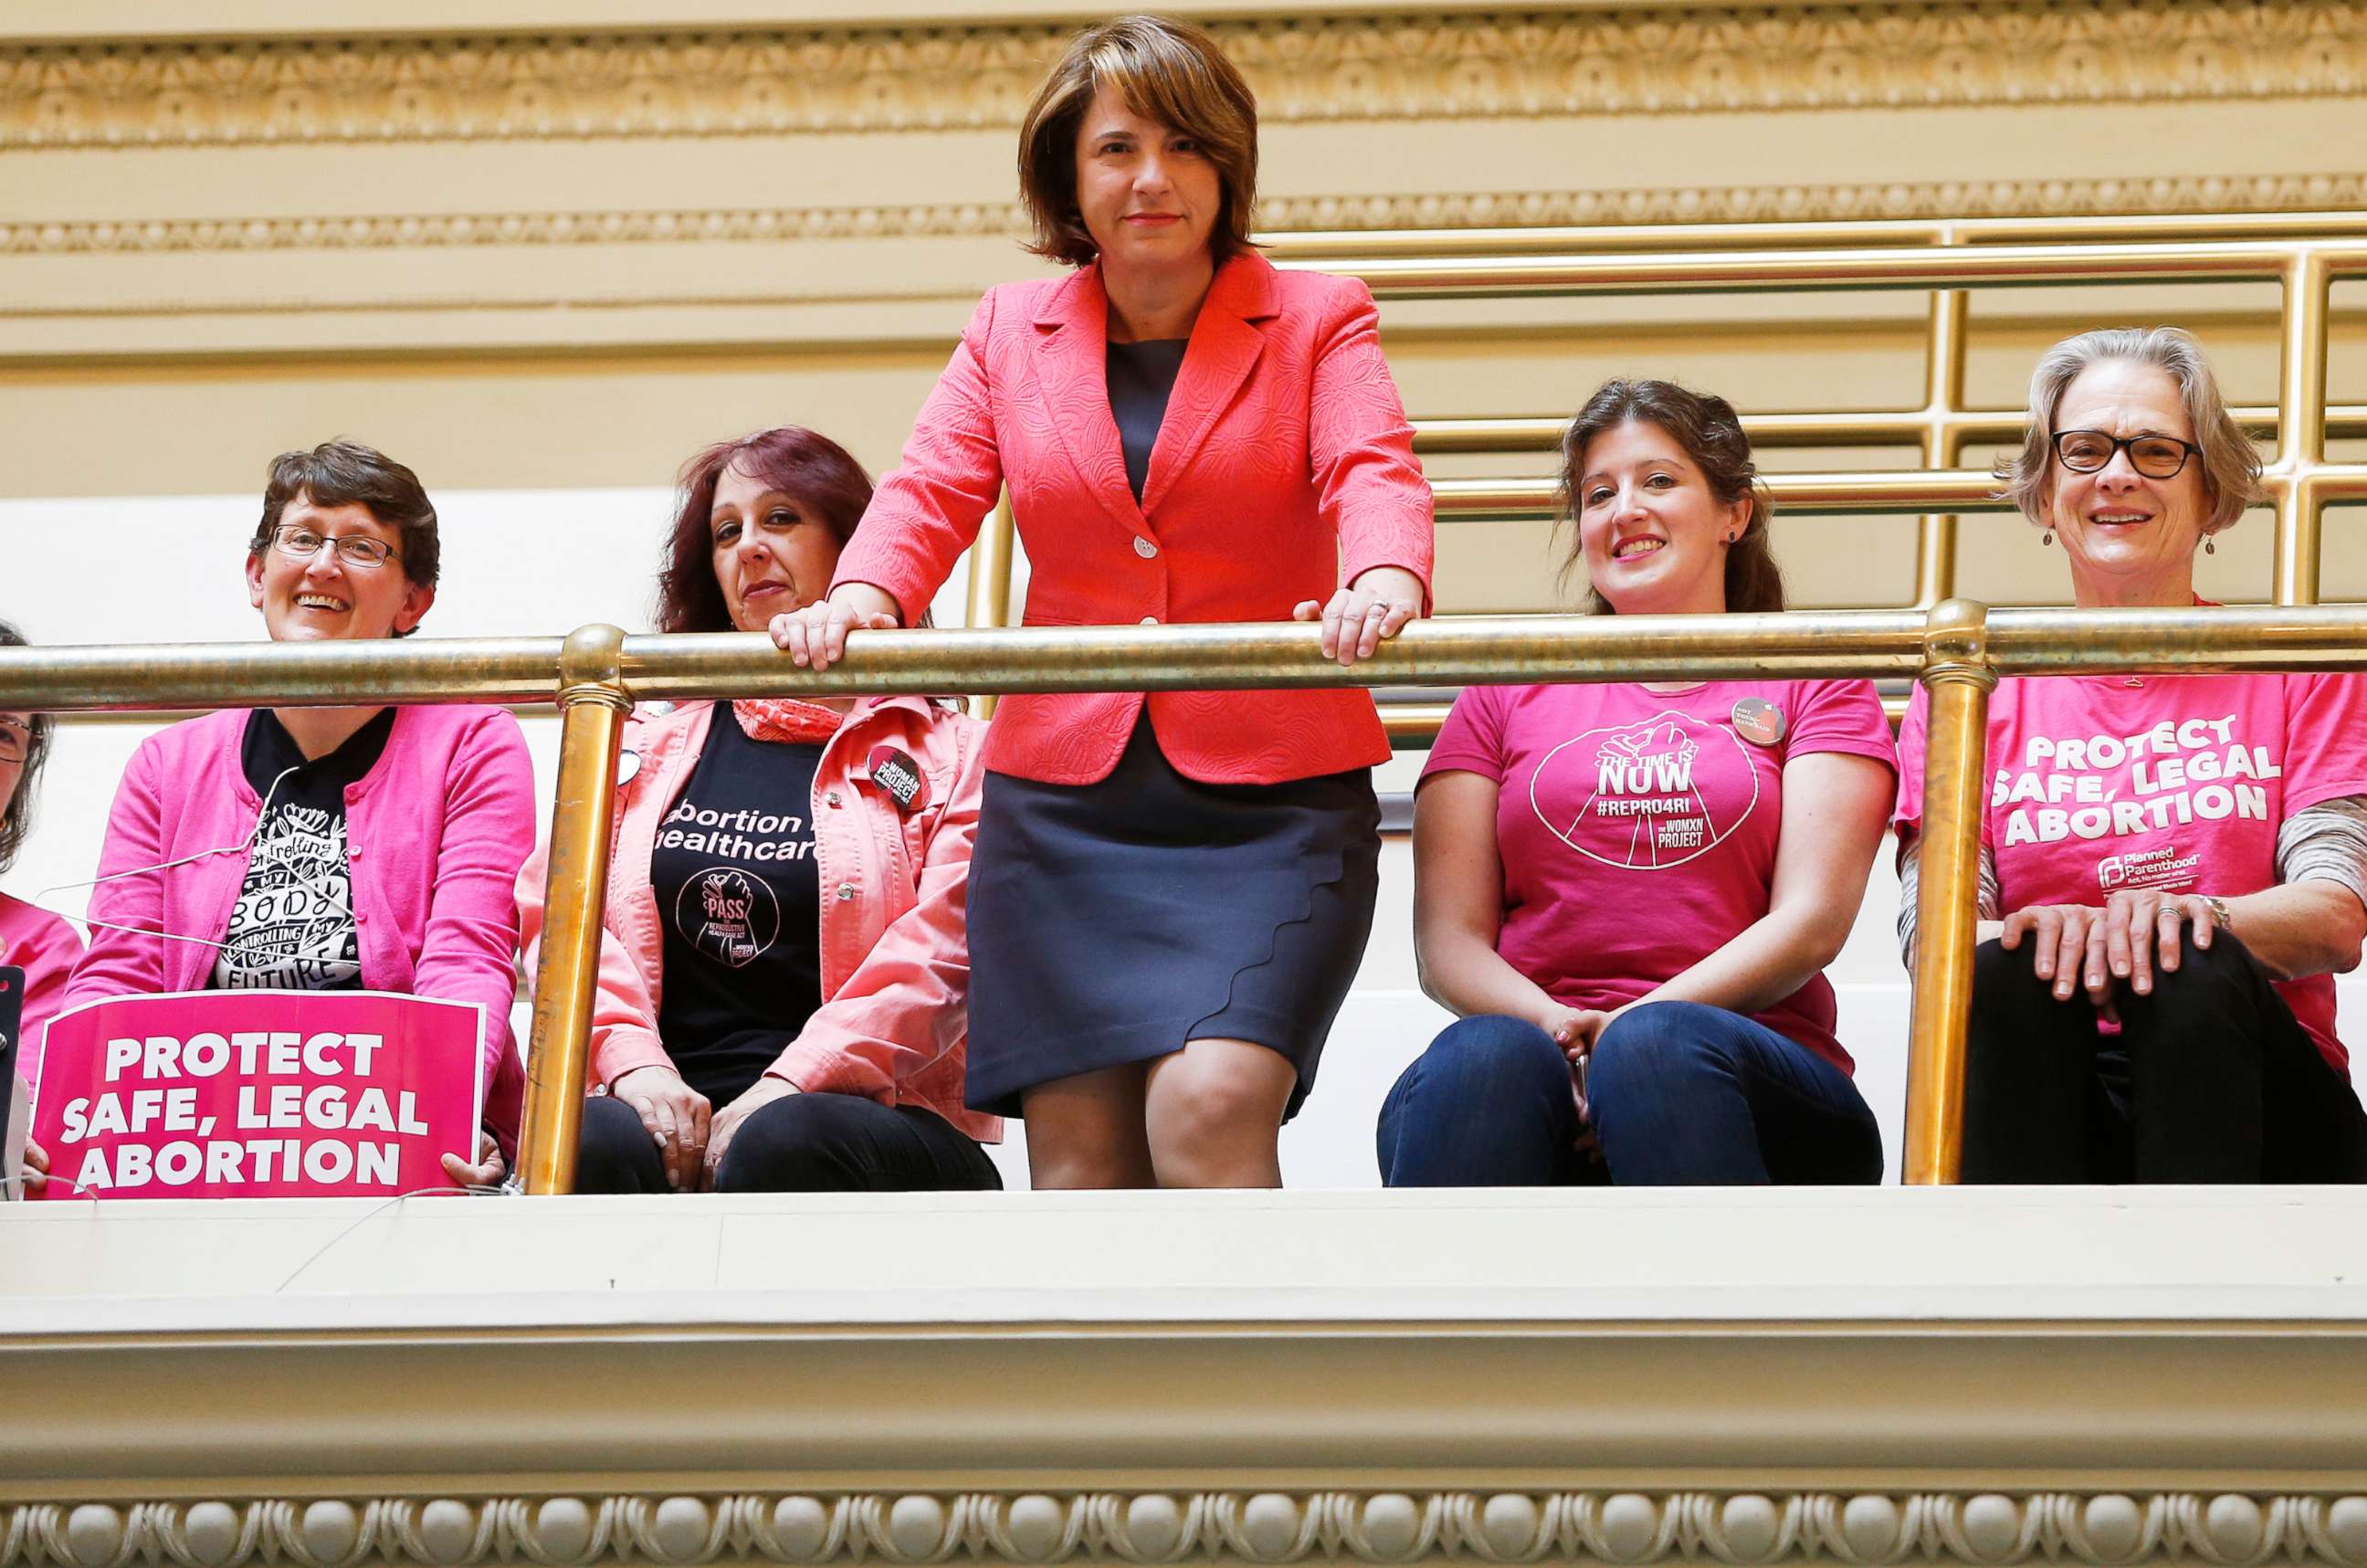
[1388,66]
[1426,209]
[2226,1530]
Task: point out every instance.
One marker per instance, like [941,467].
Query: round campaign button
[1758,721]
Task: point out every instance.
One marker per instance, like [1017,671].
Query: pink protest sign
[259,1093]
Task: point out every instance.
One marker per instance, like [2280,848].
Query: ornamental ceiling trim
[1388,66]
[2222,1529]
[1440,210]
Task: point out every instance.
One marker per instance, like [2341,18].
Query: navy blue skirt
[1117,922]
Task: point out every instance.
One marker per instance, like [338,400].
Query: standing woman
[2173,868]
[1170,894]
[31,938]
[1645,879]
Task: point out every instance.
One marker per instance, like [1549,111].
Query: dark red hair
[812,469]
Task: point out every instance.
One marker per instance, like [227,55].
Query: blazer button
[845,892]
[1144,548]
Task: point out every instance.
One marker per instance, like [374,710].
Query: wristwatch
[2219,915]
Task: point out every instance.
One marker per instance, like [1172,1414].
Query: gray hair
[2231,468]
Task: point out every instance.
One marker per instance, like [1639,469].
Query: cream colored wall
[561,242]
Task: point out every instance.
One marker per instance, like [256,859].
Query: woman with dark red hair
[784,968]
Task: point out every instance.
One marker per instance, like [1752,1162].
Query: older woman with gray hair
[2173,868]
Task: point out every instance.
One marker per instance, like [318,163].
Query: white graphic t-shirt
[292,928]
[1638,829]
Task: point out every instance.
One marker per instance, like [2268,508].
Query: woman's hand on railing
[678,1116]
[37,1168]
[1357,619]
[2078,946]
[732,1118]
[815,636]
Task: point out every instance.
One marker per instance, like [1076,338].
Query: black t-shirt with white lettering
[292,928]
[740,898]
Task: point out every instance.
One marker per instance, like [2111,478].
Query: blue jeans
[1683,1094]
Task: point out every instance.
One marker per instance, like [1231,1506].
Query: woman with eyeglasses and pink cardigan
[399,830]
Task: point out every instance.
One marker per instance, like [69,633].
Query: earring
[1731,537]
[2047,539]
[2209,548]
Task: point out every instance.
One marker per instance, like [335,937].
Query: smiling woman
[753,1035]
[328,849]
[1631,892]
[2173,868]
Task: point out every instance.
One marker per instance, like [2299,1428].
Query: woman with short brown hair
[1170,893]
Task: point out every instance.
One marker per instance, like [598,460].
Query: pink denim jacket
[895,945]
[436,833]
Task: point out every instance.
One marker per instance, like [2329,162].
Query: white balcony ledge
[1867,1377]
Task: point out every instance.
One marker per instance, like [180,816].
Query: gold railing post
[592,704]
[989,582]
[1943,396]
[2301,429]
[1957,676]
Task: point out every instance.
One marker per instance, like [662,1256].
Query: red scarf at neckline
[786,720]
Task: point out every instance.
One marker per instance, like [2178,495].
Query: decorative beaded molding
[1451,210]
[1386,66]
[2226,1530]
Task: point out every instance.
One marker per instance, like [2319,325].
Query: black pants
[2211,1079]
[796,1143]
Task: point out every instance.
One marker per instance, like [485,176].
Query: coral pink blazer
[895,945]
[1285,467]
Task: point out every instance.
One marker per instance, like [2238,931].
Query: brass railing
[2301,252]
[1958,650]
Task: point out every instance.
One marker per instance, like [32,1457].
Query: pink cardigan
[436,831]
[895,948]
[1284,468]
[45,949]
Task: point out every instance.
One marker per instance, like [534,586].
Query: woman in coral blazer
[1170,894]
[782,963]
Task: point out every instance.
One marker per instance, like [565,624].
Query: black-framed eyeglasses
[2090,451]
[299,543]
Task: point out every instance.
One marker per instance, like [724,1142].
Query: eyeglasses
[16,740]
[2090,451]
[299,543]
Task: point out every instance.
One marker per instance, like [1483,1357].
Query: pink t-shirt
[1637,829]
[2175,783]
[45,947]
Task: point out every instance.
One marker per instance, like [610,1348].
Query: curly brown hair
[1709,430]
[792,460]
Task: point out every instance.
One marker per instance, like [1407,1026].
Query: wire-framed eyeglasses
[297,542]
[16,739]
[2090,451]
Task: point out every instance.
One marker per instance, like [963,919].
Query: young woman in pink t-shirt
[1630,892]
[2173,868]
